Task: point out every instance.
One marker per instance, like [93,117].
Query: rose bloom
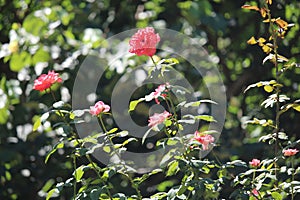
[255,162]
[204,139]
[160,91]
[98,108]
[254,192]
[290,152]
[144,42]
[158,118]
[45,81]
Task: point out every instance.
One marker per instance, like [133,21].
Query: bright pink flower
[160,92]
[98,108]
[290,152]
[158,118]
[144,42]
[254,192]
[204,139]
[255,162]
[45,81]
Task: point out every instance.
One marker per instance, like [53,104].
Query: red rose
[144,42]
[45,81]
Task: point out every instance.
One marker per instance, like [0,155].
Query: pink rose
[144,42]
[204,139]
[45,81]
[255,162]
[158,118]
[290,152]
[160,92]
[98,108]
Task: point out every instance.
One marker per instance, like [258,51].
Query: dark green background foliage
[223,27]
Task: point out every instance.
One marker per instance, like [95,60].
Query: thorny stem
[119,157]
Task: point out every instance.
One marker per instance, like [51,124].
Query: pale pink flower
[144,42]
[98,108]
[160,92]
[290,152]
[255,162]
[204,139]
[45,81]
[158,118]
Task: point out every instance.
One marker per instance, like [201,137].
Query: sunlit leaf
[263,12]
[172,168]
[252,41]
[261,40]
[134,103]
[78,173]
[266,49]
[207,118]
[52,193]
[36,124]
[249,7]
[297,107]
[268,88]
[106,149]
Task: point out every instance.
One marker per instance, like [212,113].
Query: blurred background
[39,35]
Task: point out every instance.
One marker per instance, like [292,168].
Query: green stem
[293,176]
[75,182]
[273,31]
[119,156]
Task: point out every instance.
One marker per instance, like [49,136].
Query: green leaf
[268,88]
[106,149]
[40,56]
[19,60]
[33,24]
[57,146]
[297,108]
[95,193]
[276,196]
[78,173]
[172,168]
[134,103]
[4,115]
[48,185]
[207,118]
[37,124]
[52,193]
[112,131]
